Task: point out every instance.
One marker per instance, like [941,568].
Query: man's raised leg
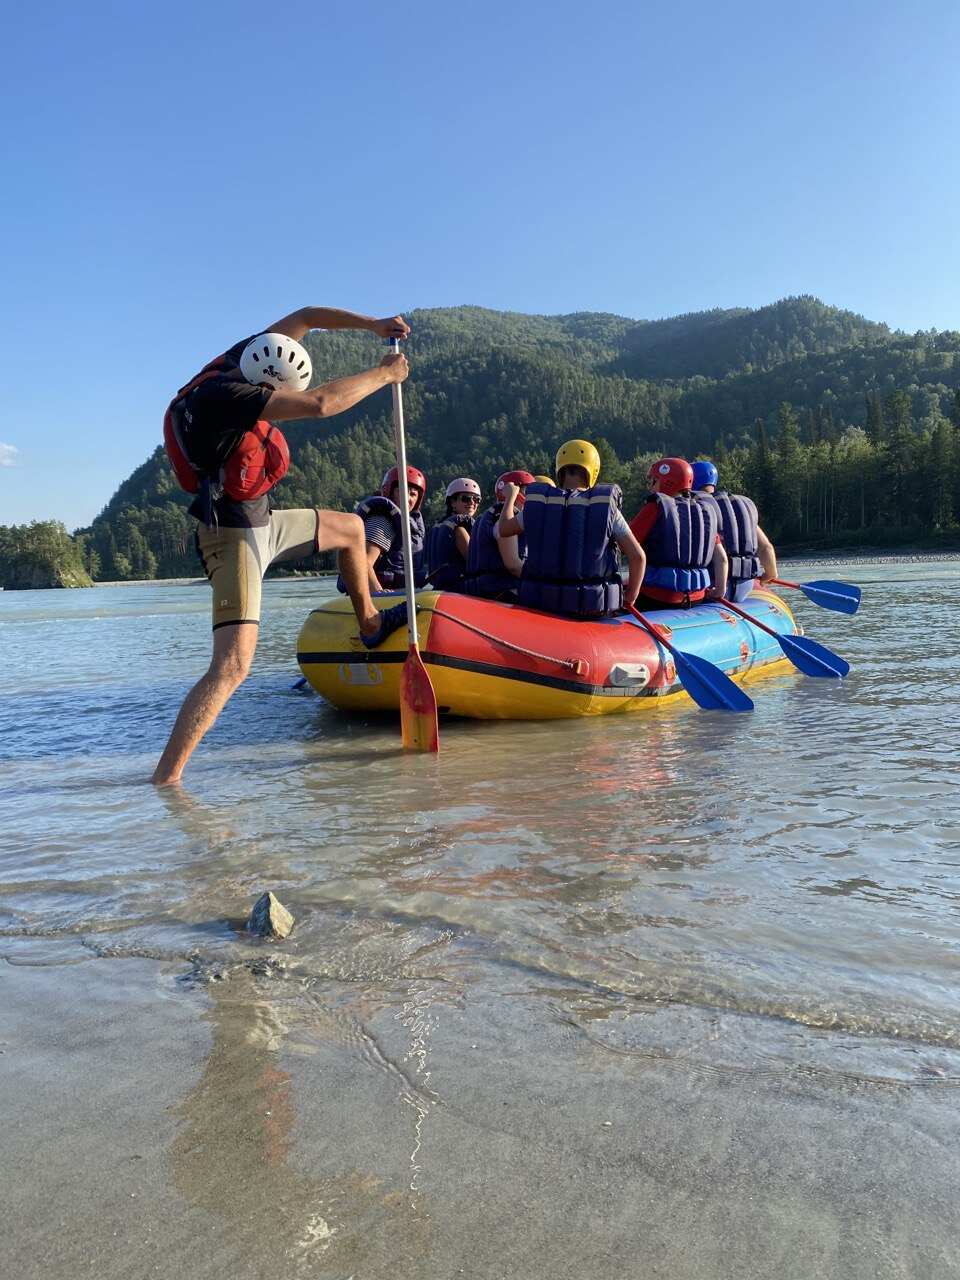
[233,648]
[338,531]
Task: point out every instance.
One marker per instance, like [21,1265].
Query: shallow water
[773,894]
[800,862]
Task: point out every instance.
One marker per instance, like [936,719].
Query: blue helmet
[705,473]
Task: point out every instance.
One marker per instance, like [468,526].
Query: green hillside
[491,390]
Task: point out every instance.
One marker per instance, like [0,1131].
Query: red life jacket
[260,458]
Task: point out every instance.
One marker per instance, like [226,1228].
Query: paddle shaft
[762,626]
[651,629]
[400,446]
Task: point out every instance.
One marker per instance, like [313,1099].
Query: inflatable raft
[494,661]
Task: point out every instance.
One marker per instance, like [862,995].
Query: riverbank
[870,557]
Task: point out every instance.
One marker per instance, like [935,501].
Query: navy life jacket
[487,575]
[389,567]
[572,565]
[445,565]
[680,545]
[738,522]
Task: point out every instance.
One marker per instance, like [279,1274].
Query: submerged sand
[163,1123]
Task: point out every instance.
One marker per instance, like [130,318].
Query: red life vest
[259,459]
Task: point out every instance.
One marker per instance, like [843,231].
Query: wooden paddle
[418,701]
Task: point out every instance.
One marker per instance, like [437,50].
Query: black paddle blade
[813,659]
[709,687]
[839,596]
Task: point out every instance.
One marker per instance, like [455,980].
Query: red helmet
[521,478]
[674,474]
[414,477]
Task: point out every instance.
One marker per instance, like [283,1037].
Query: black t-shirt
[211,419]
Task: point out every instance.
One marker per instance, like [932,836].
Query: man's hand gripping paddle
[418,701]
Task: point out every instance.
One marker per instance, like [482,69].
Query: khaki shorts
[235,560]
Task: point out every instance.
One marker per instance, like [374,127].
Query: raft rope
[576,665]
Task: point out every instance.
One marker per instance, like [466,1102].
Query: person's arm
[336,396]
[299,323]
[719,568]
[461,540]
[509,549]
[636,564]
[508,525]
[643,521]
[768,557]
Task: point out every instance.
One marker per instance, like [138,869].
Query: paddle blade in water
[418,706]
[812,658]
[839,596]
[707,685]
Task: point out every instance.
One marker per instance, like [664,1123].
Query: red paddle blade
[418,706]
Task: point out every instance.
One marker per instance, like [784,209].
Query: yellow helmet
[579,453]
[544,479]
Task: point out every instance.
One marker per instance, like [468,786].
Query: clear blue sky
[179,175]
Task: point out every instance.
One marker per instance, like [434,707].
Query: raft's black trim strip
[355,656]
[489,669]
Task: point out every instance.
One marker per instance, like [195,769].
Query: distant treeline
[843,432]
[42,554]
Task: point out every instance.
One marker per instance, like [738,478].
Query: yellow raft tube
[493,661]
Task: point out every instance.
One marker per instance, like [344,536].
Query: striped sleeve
[378,531]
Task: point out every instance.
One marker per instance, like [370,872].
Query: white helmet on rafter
[463,484]
[278,361]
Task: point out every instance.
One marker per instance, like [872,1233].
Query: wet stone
[269,917]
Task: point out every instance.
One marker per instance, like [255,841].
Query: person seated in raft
[750,552]
[383,536]
[575,532]
[448,541]
[680,532]
[494,563]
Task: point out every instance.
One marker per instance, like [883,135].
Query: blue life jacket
[738,529]
[487,575]
[445,565]
[680,545]
[573,564]
[389,566]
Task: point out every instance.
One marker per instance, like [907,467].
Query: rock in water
[269,917]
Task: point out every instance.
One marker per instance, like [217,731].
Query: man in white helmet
[220,439]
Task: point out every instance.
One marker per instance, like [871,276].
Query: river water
[772,896]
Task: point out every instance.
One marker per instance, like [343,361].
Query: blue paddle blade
[839,596]
[813,659]
[707,685]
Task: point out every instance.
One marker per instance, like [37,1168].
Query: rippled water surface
[800,863]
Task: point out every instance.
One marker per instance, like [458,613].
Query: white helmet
[278,361]
[463,485]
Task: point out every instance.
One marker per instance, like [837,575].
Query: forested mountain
[791,397]
[714,344]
